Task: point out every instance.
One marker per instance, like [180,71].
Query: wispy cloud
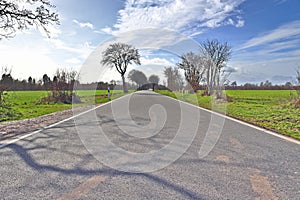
[73,61]
[278,47]
[187,17]
[156,61]
[84,24]
[278,2]
[271,54]
[286,31]
[82,50]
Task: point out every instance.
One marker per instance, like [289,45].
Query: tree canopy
[174,78]
[153,79]
[138,77]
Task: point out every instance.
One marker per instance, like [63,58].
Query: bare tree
[174,78]
[62,87]
[5,83]
[22,14]
[194,69]
[298,85]
[217,55]
[298,75]
[138,77]
[120,55]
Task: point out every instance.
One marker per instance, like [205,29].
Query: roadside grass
[26,104]
[270,109]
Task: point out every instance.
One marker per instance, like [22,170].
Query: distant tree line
[65,81]
[267,85]
[45,83]
[60,86]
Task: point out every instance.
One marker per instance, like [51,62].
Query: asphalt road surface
[63,161]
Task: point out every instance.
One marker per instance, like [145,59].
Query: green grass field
[26,104]
[271,109]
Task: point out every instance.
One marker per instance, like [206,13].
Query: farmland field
[271,109]
[27,104]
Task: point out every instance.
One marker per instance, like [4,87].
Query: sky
[264,37]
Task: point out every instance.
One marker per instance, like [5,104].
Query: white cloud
[73,61]
[240,23]
[82,50]
[84,25]
[107,30]
[237,23]
[283,32]
[186,17]
[156,61]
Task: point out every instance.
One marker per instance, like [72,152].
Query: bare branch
[194,68]
[13,17]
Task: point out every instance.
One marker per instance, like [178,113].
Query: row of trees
[205,70]
[140,78]
[209,66]
[119,56]
[175,80]
[60,86]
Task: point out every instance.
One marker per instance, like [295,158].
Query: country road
[80,157]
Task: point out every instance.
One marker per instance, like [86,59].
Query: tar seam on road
[84,188]
[212,112]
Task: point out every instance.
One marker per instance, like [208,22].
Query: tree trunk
[124,84]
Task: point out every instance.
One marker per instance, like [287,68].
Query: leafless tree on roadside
[120,55]
[194,69]
[6,82]
[217,55]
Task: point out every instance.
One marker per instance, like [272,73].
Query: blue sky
[264,35]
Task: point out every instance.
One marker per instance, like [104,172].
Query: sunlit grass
[27,104]
[271,109]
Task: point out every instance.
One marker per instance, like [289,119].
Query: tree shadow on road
[27,157]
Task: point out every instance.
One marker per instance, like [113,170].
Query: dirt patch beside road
[13,129]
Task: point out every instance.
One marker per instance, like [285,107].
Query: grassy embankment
[27,104]
[271,109]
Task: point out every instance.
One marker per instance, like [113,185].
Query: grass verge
[270,109]
[26,104]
